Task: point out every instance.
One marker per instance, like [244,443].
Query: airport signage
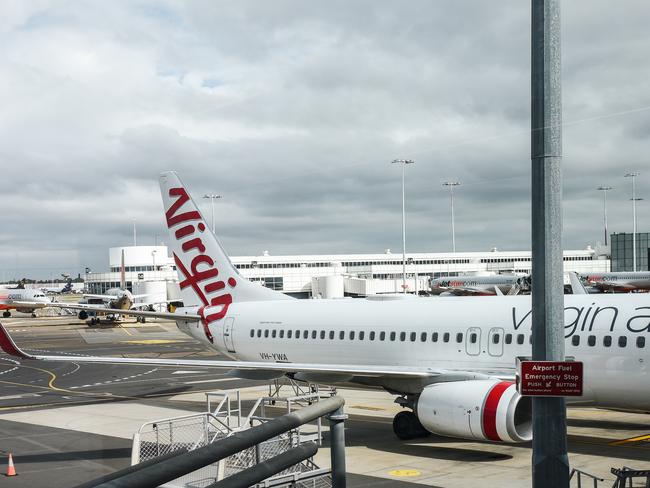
[549,378]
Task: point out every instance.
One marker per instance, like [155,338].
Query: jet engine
[83,315]
[477,409]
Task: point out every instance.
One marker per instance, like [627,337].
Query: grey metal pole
[550,464]
[634,199]
[403,162]
[337,447]
[451,185]
[605,189]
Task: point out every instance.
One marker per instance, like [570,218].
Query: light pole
[451,185]
[135,237]
[605,189]
[634,199]
[212,197]
[153,257]
[403,162]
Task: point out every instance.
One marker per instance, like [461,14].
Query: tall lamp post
[212,197]
[403,162]
[451,185]
[633,175]
[605,189]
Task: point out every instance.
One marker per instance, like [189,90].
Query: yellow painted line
[631,439]
[152,341]
[125,330]
[404,473]
[365,407]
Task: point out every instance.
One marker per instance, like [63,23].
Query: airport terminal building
[331,275]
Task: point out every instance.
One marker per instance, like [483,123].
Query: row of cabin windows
[607,341]
[381,336]
[424,337]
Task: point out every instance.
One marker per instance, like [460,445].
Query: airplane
[622,281]
[112,304]
[459,285]
[59,290]
[449,361]
[25,300]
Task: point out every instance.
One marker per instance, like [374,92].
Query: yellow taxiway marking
[640,438]
[366,407]
[152,341]
[404,473]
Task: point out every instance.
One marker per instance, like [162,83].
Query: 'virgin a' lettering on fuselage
[588,319]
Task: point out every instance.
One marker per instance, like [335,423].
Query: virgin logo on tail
[202,272]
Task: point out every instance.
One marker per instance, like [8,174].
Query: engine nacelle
[478,409]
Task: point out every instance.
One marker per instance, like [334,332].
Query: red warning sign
[549,378]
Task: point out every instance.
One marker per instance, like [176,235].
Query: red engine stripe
[490,410]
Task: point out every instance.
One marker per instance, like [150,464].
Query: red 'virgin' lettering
[195,243]
[183,197]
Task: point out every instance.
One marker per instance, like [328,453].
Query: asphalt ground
[63,421]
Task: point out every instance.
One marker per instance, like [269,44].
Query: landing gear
[93,321]
[6,314]
[407,426]
[33,315]
[140,319]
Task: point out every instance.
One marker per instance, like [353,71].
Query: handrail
[596,479]
[151,476]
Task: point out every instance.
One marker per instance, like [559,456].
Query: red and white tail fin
[207,277]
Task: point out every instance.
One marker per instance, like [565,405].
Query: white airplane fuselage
[462,333]
[23,299]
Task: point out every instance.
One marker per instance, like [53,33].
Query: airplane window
[472,337]
[305,334]
[607,341]
[282,334]
[575,340]
[392,336]
[402,336]
[622,341]
[266,332]
[382,336]
[423,337]
[413,335]
[322,334]
[341,335]
[372,335]
[591,340]
[259,332]
[434,337]
[445,337]
[640,342]
[289,334]
[331,334]
[273,332]
[361,335]
[297,334]
[252,332]
[352,335]
[313,334]
[508,338]
[459,337]
[520,339]
[496,338]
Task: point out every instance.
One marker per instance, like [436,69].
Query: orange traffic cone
[11,470]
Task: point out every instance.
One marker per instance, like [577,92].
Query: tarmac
[66,423]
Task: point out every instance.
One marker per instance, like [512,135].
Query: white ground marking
[210,381]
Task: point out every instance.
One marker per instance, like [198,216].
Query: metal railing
[626,474]
[175,464]
[580,473]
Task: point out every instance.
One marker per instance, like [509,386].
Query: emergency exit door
[228,326]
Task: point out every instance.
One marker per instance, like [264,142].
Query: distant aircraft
[503,284]
[622,282]
[22,300]
[59,290]
[112,304]
[449,361]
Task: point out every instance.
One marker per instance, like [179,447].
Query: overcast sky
[293,110]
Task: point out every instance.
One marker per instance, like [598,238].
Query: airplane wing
[23,303]
[8,345]
[468,291]
[100,297]
[134,313]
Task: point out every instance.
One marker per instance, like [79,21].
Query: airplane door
[473,341]
[228,326]
[495,341]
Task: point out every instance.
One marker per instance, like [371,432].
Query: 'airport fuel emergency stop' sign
[549,378]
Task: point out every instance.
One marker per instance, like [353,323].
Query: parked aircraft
[624,281]
[449,361]
[502,284]
[59,290]
[24,300]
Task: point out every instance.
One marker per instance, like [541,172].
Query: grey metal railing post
[337,447]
